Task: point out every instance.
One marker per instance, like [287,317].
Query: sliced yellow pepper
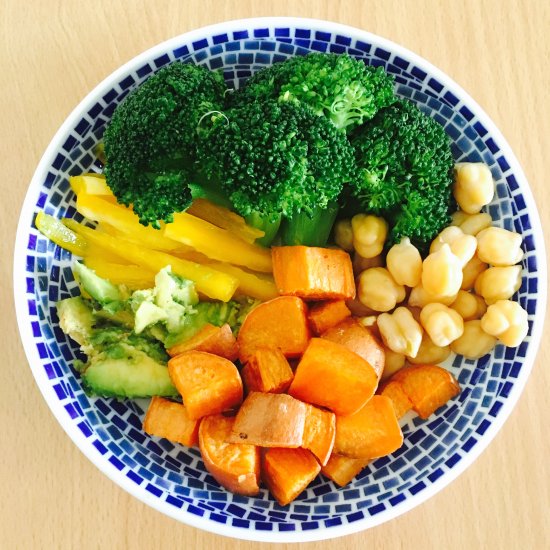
[216,243]
[53,229]
[133,276]
[209,281]
[224,218]
[95,207]
[93,184]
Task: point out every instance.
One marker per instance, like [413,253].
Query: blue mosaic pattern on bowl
[176,475]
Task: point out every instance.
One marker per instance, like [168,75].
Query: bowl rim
[84,444]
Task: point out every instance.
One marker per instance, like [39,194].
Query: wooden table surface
[53,52]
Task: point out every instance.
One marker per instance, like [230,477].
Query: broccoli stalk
[310,228]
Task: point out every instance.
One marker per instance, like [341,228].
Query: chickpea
[442,324]
[471,271]
[429,353]
[471,224]
[419,297]
[343,235]
[378,291]
[469,306]
[499,247]
[442,272]
[474,342]
[400,332]
[462,246]
[474,186]
[507,321]
[369,234]
[405,263]
[498,283]
[360,263]
[393,362]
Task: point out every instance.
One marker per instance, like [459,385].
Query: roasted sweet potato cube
[216,340]
[287,472]
[319,433]
[325,315]
[209,384]
[270,420]
[370,433]
[332,376]
[235,466]
[280,323]
[168,419]
[267,371]
[400,401]
[342,469]
[359,339]
[313,273]
[427,386]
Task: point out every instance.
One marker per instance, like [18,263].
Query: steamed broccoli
[337,86]
[277,160]
[405,170]
[150,141]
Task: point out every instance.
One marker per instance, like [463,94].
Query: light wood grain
[52,53]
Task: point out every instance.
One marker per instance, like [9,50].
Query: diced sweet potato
[370,433]
[313,273]
[319,433]
[342,469]
[216,340]
[359,339]
[280,323]
[270,420]
[427,386]
[168,419]
[209,384]
[332,376]
[235,466]
[267,371]
[325,315]
[400,401]
[287,472]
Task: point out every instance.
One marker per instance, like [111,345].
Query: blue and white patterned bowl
[172,479]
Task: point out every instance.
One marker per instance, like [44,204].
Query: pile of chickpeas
[458,299]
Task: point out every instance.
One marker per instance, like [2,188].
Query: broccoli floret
[337,86]
[150,141]
[405,167]
[276,160]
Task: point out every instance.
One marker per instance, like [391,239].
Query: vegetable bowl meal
[280,279]
[283,268]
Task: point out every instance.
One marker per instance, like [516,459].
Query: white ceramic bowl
[172,479]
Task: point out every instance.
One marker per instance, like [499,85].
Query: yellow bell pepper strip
[134,277]
[96,208]
[218,244]
[53,229]
[225,219]
[261,287]
[208,281]
[92,184]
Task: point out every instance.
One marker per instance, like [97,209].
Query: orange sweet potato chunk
[313,273]
[332,376]
[427,386]
[370,433]
[270,420]
[400,400]
[342,469]
[325,315]
[235,466]
[208,384]
[216,340]
[319,433]
[359,339]
[280,323]
[287,472]
[168,419]
[267,371]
